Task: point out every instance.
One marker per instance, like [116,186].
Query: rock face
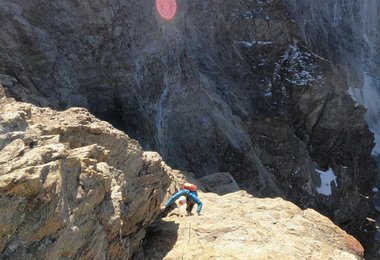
[224,86]
[347,32]
[238,226]
[72,186]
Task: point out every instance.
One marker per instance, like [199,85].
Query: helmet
[189,186]
[181,201]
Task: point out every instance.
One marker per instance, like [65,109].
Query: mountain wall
[348,34]
[224,86]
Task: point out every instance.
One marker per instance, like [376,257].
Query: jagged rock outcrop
[222,87]
[239,226]
[72,186]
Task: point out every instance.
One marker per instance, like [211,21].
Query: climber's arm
[175,196]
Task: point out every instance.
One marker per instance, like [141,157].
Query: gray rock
[220,183]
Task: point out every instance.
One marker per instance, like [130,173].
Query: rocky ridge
[74,187]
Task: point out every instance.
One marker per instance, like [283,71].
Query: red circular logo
[167,9]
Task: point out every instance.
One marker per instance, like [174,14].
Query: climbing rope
[188,240]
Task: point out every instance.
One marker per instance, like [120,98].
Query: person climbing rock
[189,191]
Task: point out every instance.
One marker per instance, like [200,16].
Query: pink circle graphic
[167,9]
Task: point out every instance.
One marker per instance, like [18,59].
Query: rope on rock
[188,240]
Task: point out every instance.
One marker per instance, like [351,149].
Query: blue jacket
[192,195]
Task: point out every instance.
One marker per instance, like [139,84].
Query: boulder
[220,183]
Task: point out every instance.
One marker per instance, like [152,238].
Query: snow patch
[250,44]
[245,43]
[326,178]
[264,42]
[302,70]
[268,93]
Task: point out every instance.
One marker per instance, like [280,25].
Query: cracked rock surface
[72,186]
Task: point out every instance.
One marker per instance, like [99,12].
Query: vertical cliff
[348,34]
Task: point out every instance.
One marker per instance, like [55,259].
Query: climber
[190,192]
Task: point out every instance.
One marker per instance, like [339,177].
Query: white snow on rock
[252,43]
[326,178]
[302,70]
[245,43]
